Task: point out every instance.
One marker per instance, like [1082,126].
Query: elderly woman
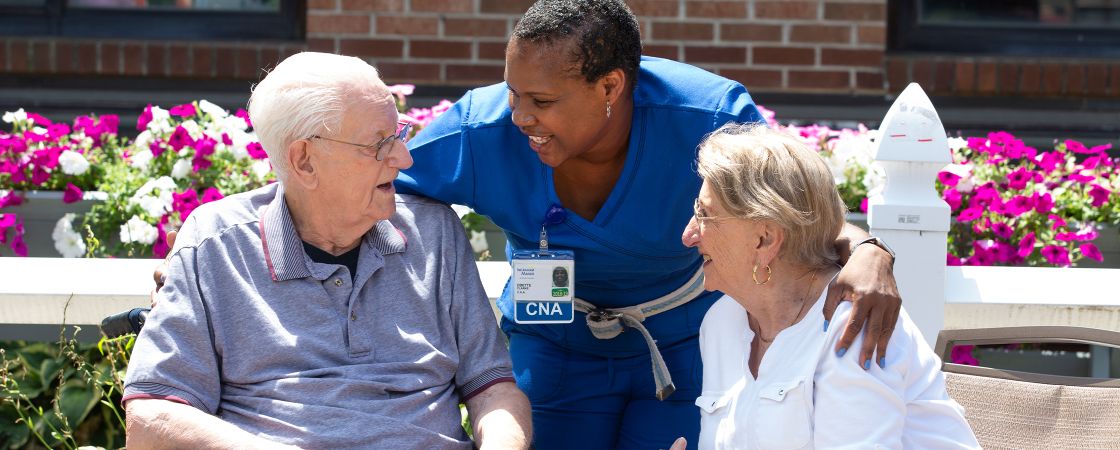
[765,221]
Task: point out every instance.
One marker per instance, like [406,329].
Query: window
[155,19]
[1080,28]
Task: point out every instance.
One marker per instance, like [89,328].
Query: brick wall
[816,46]
[1006,76]
[822,45]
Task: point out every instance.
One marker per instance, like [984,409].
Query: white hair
[307,94]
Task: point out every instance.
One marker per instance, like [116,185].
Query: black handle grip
[126,322]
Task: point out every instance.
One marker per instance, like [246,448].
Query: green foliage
[62,395]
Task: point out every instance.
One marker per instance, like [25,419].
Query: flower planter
[40,211]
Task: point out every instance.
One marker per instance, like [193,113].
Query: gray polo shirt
[250,329]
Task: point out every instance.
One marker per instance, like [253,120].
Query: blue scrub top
[631,252]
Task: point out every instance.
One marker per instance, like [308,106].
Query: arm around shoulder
[155,423]
[500,417]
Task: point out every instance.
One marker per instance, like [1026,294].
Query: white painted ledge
[1032,296]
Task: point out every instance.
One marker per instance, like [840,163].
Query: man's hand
[161,270]
[500,417]
[867,279]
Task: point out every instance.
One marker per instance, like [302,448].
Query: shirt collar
[283,249]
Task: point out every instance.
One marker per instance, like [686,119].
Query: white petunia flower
[152,205]
[192,128]
[143,140]
[137,230]
[67,241]
[181,169]
[17,116]
[231,123]
[478,242]
[261,168]
[956,143]
[73,163]
[461,210]
[140,159]
[161,121]
[216,112]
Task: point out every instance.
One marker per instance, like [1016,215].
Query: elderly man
[323,311]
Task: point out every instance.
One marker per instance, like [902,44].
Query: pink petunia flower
[1019,205]
[952,261]
[1091,251]
[962,354]
[1043,203]
[180,138]
[1056,255]
[970,214]
[184,203]
[863,205]
[1049,161]
[1056,221]
[953,198]
[1019,178]
[1002,230]
[244,115]
[211,194]
[949,179]
[12,199]
[144,118]
[256,151]
[1026,246]
[1099,194]
[71,194]
[185,110]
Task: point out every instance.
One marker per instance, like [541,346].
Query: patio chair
[1018,410]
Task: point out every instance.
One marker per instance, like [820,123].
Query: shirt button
[353,316]
[338,282]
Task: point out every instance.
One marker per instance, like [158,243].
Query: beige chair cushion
[1009,414]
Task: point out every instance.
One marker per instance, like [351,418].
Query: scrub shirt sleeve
[483,355]
[740,105]
[174,357]
[442,160]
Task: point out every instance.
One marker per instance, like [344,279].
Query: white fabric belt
[606,323]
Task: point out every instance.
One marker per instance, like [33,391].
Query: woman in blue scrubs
[605,139]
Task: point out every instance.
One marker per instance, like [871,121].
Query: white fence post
[908,214]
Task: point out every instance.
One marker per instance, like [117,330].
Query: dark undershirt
[348,259]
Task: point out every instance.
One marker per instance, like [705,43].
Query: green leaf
[76,399]
[12,434]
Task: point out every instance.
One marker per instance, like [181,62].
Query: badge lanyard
[543,279]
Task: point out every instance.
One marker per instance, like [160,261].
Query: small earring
[754,275]
[608,110]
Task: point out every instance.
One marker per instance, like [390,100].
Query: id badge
[543,285]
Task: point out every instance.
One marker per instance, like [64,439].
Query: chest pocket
[784,415]
[713,415]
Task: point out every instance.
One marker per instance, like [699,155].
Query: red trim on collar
[403,237]
[264,245]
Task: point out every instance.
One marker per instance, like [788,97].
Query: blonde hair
[758,173]
[307,94]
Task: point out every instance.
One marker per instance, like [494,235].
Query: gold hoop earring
[754,275]
[608,110]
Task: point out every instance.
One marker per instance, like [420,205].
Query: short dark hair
[605,31]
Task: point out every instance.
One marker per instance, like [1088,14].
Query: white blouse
[807,397]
